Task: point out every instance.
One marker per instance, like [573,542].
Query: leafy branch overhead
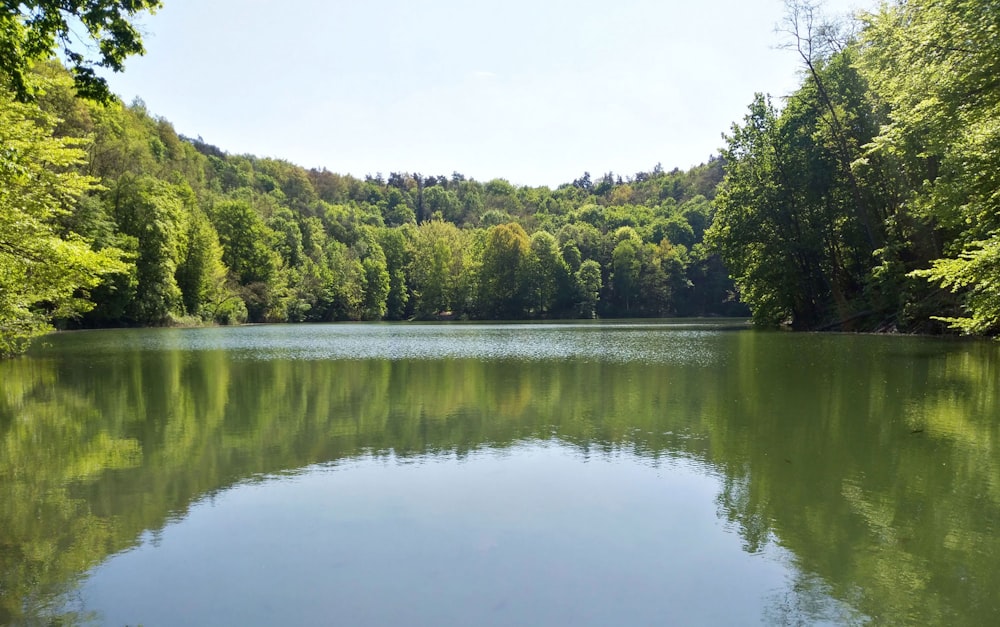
[88,33]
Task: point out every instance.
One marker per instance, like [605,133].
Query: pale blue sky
[536,92]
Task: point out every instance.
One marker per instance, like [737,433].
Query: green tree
[288,236]
[44,273]
[32,30]
[439,268]
[247,252]
[395,243]
[671,280]
[201,274]
[588,282]
[783,221]
[502,287]
[376,281]
[443,202]
[936,63]
[244,238]
[346,292]
[627,267]
[153,213]
[547,274]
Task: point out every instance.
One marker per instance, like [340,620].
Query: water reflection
[871,461]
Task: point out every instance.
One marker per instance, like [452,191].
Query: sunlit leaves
[34,30]
[42,274]
[937,63]
[976,273]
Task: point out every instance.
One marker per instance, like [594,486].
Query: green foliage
[502,289]
[245,242]
[44,271]
[755,229]
[376,282]
[32,30]
[395,246]
[152,212]
[936,65]
[201,274]
[627,266]
[976,274]
[548,275]
[345,292]
[851,207]
[588,281]
[880,172]
[439,269]
[227,238]
[793,222]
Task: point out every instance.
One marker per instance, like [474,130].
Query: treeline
[871,200]
[193,234]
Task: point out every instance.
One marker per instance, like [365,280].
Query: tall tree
[627,261]
[759,225]
[439,268]
[376,280]
[45,272]
[201,275]
[937,64]
[248,252]
[152,212]
[547,274]
[793,225]
[588,284]
[394,243]
[502,288]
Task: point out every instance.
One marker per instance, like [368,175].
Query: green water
[572,474]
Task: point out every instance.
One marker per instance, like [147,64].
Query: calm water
[578,474]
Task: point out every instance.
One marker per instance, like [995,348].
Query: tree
[201,275]
[817,42]
[439,268]
[346,292]
[288,236]
[627,265]
[394,243]
[670,283]
[937,65]
[44,274]
[547,274]
[247,245]
[588,281]
[375,277]
[444,203]
[244,238]
[152,212]
[502,289]
[33,29]
[786,220]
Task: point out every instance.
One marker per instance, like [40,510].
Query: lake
[669,472]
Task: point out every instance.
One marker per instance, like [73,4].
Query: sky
[533,91]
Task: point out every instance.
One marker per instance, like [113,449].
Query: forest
[867,200]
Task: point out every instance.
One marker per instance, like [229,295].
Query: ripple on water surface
[690,343]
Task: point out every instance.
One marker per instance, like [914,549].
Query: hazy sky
[536,91]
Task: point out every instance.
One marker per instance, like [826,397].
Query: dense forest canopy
[868,199]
